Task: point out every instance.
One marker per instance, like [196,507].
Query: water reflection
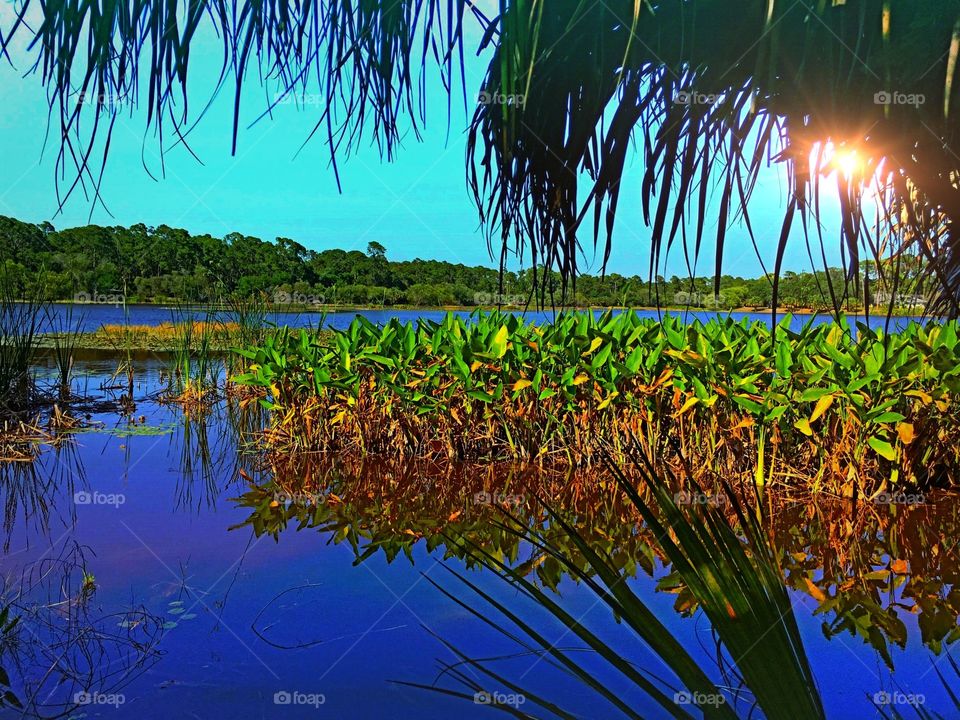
[35,493]
[878,577]
[868,567]
[63,646]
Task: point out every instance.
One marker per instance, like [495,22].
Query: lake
[194,609]
[91,317]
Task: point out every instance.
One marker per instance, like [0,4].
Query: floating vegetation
[848,410]
[167,336]
[132,429]
[21,441]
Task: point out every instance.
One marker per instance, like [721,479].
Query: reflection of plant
[867,567]
[8,624]
[68,649]
[733,575]
[819,407]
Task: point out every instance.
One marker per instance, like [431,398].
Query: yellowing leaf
[924,397]
[906,432]
[823,404]
[816,592]
[475,365]
[687,405]
[607,400]
[803,426]
[580,379]
[597,342]
[521,384]
[883,448]
[499,345]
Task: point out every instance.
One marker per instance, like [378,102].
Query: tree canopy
[162,264]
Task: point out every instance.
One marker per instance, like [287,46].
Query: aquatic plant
[21,321]
[193,370]
[70,646]
[65,332]
[851,410]
[8,626]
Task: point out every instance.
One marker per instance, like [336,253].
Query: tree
[376,251]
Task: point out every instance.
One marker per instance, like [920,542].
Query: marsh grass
[193,369]
[21,321]
[65,333]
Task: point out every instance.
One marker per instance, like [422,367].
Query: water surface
[211,603]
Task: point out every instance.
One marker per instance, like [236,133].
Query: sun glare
[848,162]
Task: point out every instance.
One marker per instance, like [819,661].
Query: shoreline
[339,309]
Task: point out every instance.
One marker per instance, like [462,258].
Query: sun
[848,162]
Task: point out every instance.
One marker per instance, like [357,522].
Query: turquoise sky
[417,206]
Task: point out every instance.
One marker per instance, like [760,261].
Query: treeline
[162,264]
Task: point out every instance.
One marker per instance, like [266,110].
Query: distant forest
[163,264]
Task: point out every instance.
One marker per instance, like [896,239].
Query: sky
[416,206]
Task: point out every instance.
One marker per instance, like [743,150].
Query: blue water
[93,316]
[173,544]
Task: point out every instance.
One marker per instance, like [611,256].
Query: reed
[21,321]
[193,369]
[66,331]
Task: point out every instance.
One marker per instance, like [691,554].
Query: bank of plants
[834,407]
